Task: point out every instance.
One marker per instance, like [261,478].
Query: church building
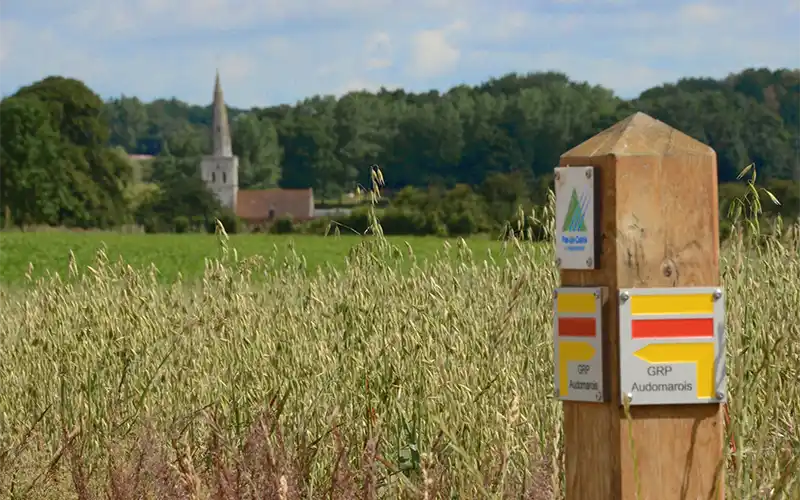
[220,171]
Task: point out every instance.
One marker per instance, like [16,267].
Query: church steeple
[220,169]
[220,130]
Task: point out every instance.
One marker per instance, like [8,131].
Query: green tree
[33,184]
[513,122]
[360,138]
[255,142]
[96,177]
[128,122]
[309,141]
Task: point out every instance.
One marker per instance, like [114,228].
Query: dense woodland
[468,157]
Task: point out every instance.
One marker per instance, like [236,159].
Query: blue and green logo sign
[574,222]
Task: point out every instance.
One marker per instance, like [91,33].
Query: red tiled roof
[256,204]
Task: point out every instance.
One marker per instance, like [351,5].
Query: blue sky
[279,51]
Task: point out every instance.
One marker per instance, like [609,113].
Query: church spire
[221,133]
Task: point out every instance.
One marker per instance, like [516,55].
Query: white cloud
[510,25]
[626,76]
[237,67]
[271,51]
[700,13]
[593,2]
[434,52]
[146,18]
[378,51]
[378,42]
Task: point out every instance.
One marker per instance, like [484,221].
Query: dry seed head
[283,491]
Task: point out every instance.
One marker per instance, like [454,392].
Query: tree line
[493,146]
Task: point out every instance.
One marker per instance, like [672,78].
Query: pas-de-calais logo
[574,223]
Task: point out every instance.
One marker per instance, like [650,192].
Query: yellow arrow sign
[701,353]
[567,352]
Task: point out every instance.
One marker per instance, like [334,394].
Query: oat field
[359,382]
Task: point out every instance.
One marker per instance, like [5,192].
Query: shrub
[180,224]
[284,225]
[396,220]
[317,226]
[461,224]
[229,220]
[357,220]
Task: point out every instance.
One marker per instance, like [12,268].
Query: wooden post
[658,227]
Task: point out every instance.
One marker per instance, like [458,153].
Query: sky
[272,52]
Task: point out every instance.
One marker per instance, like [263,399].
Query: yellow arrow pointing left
[700,353]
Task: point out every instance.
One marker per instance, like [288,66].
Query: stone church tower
[220,170]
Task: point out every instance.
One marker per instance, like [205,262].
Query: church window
[224,178]
[213,177]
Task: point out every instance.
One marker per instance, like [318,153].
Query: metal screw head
[588,173]
[589,262]
[720,396]
[717,294]
[629,396]
[555,294]
[558,262]
[558,175]
[597,295]
[624,296]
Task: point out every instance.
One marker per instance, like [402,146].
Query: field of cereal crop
[376,379]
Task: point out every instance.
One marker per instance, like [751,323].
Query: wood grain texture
[659,219]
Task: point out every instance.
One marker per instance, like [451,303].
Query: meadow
[386,377]
[26,256]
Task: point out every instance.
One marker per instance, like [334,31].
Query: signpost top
[638,134]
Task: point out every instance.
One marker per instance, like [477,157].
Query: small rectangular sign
[579,371]
[672,345]
[575,218]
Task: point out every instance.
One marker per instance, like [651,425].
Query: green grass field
[186,253]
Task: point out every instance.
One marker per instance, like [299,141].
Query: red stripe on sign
[576,327]
[672,328]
